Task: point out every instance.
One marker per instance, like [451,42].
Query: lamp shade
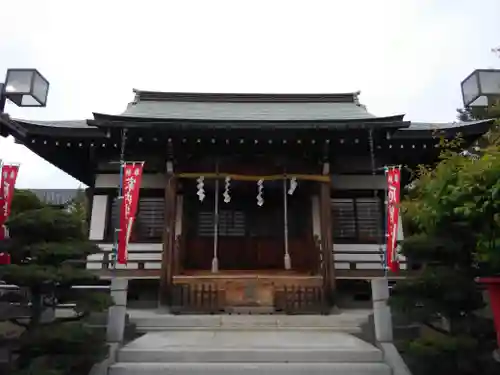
[481,87]
[26,87]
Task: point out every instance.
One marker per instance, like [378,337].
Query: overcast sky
[406,56]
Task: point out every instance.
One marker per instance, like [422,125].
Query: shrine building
[270,202]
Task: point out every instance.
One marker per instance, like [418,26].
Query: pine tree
[48,247]
[452,224]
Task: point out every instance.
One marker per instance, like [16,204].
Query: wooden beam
[167,260]
[326,236]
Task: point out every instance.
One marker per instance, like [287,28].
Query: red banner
[8,177]
[131,184]
[393,192]
[4,258]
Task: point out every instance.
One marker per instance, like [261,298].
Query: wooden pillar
[326,236]
[167,260]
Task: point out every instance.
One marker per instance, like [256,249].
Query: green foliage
[79,208]
[452,222]
[48,247]
[24,200]
[46,224]
[72,348]
[443,355]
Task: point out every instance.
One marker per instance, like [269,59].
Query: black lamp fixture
[25,88]
[481,88]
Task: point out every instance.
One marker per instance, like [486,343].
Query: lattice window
[369,219]
[232,223]
[150,220]
[357,219]
[344,218]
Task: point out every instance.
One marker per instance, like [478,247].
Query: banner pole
[386,206]
[287,260]
[215,259]
[119,199]
[3,233]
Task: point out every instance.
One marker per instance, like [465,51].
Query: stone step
[248,346]
[356,330]
[151,321]
[248,356]
[250,369]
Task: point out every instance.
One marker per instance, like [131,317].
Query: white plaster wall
[356,181]
[98,217]
[151,181]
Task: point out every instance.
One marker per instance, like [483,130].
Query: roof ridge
[349,97]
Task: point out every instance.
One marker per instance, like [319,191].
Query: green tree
[49,247]
[452,223]
[78,206]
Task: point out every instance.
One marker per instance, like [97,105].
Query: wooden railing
[204,298]
[144,261]
[363,261]
[351,261]
[300,300]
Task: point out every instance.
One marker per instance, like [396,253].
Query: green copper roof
[246,107]
[184,111]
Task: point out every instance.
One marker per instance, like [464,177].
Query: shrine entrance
[249,237]
[248,246]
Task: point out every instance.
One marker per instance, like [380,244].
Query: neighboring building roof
[427,129]
[56,197]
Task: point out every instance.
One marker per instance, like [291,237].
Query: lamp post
[25,88]
[481,89]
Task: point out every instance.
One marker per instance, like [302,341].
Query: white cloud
[405,56]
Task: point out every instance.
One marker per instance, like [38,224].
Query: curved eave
[451,130]
[105,120]
[70,129]
[9,127]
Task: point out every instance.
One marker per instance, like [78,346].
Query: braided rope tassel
[200,186]
[226,195]
[260,193]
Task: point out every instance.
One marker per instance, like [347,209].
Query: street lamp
[481,88]
[25,88]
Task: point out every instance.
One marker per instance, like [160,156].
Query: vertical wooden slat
[167,261]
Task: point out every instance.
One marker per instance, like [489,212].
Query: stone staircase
[244,345]
[249,352]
